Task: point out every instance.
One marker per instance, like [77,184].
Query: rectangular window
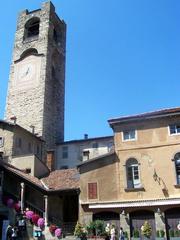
[95,145]
[174,129]
[129,135]
[1,141]
[92,190]
[85,155]
[28,170]
[65,152]
[64,167]
[110,146]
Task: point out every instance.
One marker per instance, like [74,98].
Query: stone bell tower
[37,77]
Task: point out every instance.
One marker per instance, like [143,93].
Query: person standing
[121,234]
[113,232]
[8,232]
[14,233]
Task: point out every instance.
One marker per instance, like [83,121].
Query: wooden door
[137,220]
[172,218]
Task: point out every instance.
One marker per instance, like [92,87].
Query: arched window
[177,166]
[32,28]
[132,171]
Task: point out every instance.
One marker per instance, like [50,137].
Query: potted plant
[91,229]
[174,234]
[171,233]
[126,235]
[136,235]
[146,230]
[97,229]
[52,228]
[160,234]
[80,232]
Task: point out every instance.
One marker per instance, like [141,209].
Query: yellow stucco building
[140,179]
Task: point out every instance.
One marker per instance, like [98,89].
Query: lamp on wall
[155,176]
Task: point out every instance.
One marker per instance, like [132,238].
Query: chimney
[50,160]
[85,136]
[13,119]
[33,129]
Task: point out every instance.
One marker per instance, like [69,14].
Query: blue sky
[123,57]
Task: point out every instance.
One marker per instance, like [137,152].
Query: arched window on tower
[32,28]
[132,171]
[177,166]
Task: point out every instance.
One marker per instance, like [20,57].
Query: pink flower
[40,222]
[29,214]
[52,228]
[58,232]
[35,218]
[17,207]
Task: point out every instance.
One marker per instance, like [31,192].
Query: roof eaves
[84,140]
[145,116]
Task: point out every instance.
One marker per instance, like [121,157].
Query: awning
[139,203]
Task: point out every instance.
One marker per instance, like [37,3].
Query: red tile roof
[62,179]
[58,180]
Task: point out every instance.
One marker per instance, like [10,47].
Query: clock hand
[27,71]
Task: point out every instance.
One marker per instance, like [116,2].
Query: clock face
[26,72]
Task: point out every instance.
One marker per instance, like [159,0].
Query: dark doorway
[108,217]
[172,218]
[137,220]
[70,208]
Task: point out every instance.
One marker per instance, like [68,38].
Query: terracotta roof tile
[57,180]
[62,179]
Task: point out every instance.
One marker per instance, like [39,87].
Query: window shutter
[92,190]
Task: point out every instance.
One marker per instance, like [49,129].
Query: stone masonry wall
[39,103]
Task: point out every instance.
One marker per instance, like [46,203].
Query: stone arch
[172,219]
[137,219]
[32,27]
[28,52]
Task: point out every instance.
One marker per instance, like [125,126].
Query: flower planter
[95,238]
[174,238]
[136,238]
